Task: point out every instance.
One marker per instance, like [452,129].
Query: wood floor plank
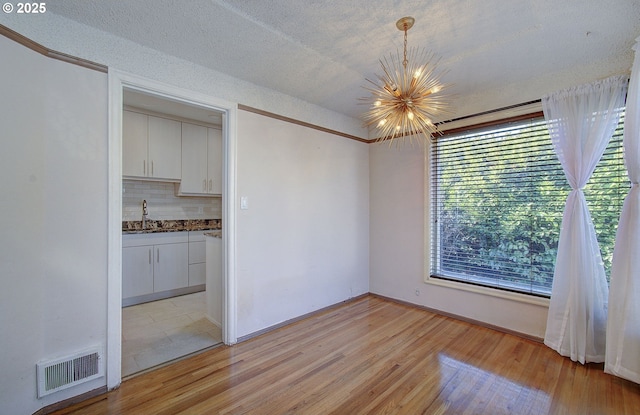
[373,356]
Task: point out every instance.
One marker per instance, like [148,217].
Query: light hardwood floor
[373,356]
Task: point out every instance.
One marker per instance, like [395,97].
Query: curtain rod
[490,112]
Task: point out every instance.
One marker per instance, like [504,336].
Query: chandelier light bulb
[410,115]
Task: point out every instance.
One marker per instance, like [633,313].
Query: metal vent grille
[62,373]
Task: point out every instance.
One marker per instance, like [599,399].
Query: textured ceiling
[321,51]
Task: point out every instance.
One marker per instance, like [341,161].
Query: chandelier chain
[405,61]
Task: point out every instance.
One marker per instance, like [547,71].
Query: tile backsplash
[163,204]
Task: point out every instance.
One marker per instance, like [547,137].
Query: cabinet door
[171,267]
[197,252]
[214,277]
[214,151]
[134,144]
[194,159]
[137,271]
[165,148]
[197,274]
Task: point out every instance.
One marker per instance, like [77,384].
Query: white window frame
[491,116]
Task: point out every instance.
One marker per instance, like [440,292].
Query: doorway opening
[168,208]
[183,311]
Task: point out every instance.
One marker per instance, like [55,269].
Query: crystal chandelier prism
[409,94]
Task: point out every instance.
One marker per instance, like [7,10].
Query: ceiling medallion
[408,95]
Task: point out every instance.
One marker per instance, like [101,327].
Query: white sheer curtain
[581,122]
[623,325]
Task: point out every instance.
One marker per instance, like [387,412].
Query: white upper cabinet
[151,147]
[194,159]
[201,160]
[165,148]
[135,133]
[214,151]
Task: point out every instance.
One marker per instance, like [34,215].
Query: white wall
[53,199]
[397,259]
[303,243]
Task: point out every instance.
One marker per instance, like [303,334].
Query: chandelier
[409,93]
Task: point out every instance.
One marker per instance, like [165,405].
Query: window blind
[497,201]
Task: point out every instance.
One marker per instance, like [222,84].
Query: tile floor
[160,331]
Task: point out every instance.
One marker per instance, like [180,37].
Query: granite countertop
[154,226]
[214,234]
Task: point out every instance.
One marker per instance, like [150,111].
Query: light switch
[244,202]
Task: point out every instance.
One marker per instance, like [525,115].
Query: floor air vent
[63,373]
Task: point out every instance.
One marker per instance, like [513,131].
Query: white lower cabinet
[197,258]
[154,263]
[170,269]
[197,274]
[137,271]
[214,279]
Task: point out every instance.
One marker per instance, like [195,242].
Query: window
[498,196]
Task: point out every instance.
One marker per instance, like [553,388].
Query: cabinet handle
[158,255]
[204,185]
[152,167]
[149,256]
[144,167]
[210,184]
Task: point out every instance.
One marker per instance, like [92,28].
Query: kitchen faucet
[145,213]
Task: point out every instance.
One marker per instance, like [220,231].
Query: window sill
[493,292]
